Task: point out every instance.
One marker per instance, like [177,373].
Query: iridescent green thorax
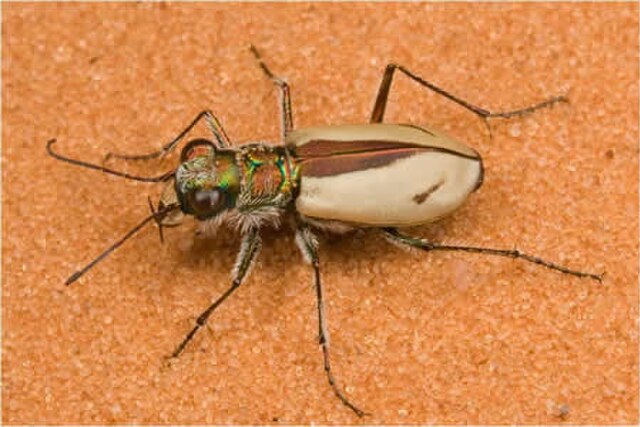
[266,172]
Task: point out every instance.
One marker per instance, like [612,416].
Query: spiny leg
[309,248]
[249,249]
[212,122]
[217,130]
[385,85]
[285,95]
[396,237]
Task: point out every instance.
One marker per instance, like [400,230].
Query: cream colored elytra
[417,189]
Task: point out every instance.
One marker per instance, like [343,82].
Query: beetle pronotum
[334,178]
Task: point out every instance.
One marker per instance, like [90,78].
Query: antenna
[157,216]
[164,177]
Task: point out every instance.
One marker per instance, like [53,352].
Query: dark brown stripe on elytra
[336,165]
[421,197]
[332,148]
[328,147]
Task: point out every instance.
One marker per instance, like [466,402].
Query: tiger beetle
[329,178]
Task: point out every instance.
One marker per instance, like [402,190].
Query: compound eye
[197,147]
[206,202]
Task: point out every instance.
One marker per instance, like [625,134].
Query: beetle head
[207,182]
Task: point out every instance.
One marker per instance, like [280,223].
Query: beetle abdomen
[381,174]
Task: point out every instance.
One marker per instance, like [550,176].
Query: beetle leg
[214,126]
[309,247]
[396,237]
[285,95]
[385,85]
[249,249]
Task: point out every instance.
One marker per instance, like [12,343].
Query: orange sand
[439,338]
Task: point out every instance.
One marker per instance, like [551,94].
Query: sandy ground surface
[438,338]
